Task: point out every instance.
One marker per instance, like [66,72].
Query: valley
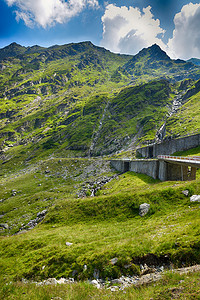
[65,112]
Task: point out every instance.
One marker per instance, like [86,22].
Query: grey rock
[50,281]
[195,198]
[114,260]
[4,225]
[114,288]
[68,244]
[85,268]
[160,269]
[32,223]
[96,283]
[14,192]
[143,209]
[64,281]
[42,213]
[185,192]
[141,267]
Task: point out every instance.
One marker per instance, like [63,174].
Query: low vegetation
[97,228]
[171,286]
[82,97]
[61,214]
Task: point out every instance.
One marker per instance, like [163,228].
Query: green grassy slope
[65,102]
[75,97]
[99,228]
[44,92]
[141,108]
[187,120]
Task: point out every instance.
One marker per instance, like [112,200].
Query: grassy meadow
[99,229]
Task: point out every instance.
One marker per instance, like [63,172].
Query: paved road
[193,161]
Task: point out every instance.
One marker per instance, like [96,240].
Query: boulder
[42,213]
[96,283]
[185,192]
[114,260]
[50,281]
[14,192]
[195,198]
[4,225]
[143,209]
[68,244]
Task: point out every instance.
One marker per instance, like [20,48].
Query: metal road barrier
[191,158]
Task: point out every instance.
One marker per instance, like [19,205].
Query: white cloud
[128,30]
[48,12]
[185,42]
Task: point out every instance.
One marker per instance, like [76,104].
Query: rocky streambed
[124,281]
[91,187]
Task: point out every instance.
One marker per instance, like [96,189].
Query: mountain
[195,61]
[153,63]
[85,99]
[65,111]
[12,50]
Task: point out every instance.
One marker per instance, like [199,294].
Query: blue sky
[120,26]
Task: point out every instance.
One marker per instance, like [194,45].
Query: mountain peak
[14,44]
[155,52]
[155,46]
[153,61]
[12,50]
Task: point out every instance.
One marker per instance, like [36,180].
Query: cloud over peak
[49,12]
[185,42]
[127,30]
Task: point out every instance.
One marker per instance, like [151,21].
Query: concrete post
[193,173]
[162,173]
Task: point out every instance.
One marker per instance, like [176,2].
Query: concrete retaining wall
[121,165]
[170,147]
[158,169]
[144,166]
[148,167]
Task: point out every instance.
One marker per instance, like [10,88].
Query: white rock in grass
[185,192]
[50,281]
[4,225]
[85,268]
[195,198]
[68,244]
[96,283]
[61,281]
[143,209]
[114,260]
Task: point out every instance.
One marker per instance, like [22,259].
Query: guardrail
[192,158]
